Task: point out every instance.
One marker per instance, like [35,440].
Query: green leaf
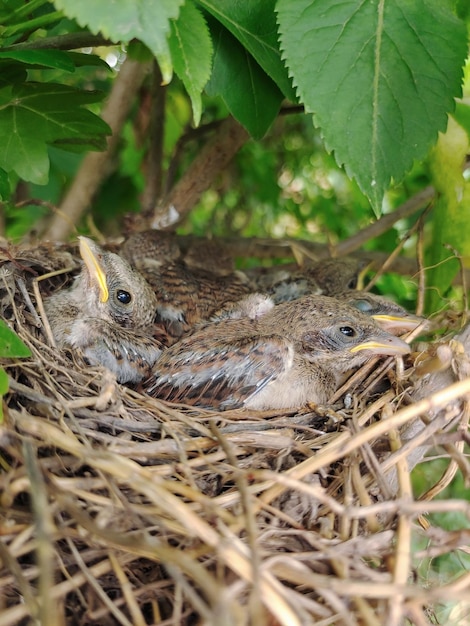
[3,390]
[254,25]
[12,72]
[450,232]
[45,58]
[30,24]
[146,20]
[463,9]
[462,115]
[3,383]
[7,8]
[34,115]
[11,345]
[15,63]
[380,77]
[191,52]
[5,190]
[253,98]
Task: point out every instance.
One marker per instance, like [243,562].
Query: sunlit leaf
[34,115]
[450,232]
[191,52]
[379,77]
[146,20]
[253,98]
[254,26]
[11,345]
[462,115]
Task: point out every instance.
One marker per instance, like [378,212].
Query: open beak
[389,345]
[90,254]
[400,324]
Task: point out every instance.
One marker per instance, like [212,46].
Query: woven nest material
[120,509]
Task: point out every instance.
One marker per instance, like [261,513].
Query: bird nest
[117,508]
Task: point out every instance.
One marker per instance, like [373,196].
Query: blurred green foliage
[11,347]
[448,566]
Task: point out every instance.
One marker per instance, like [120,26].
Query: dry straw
[120,509]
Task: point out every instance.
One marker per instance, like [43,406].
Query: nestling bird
[296,352]
[252,306]
[327,277]
[338,274]
[185,295]
[388,314]
[209,254]
[162,247]
[159,246]
[108,314]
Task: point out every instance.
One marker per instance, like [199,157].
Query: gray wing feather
[218,374]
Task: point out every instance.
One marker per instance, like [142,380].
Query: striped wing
[217,373]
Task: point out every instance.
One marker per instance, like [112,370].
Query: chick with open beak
[107,314]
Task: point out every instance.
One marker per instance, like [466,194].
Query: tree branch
[258,248]
[210,162]
[154,161]
[94,167]
[190,134]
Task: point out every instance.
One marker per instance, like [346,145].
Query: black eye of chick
[124,297]
[352,283]
[348,331]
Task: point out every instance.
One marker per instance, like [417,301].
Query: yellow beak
[89,252]
[393,346]
[402,323]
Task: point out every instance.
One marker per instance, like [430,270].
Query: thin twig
[402,564]
[384,224]
[421,273]
[44,532]
[345,444]
[389,262]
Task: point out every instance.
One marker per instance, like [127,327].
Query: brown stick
[244,247]
[191,134]
[381,226]
[154,164]
[94,167]
[212,160]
